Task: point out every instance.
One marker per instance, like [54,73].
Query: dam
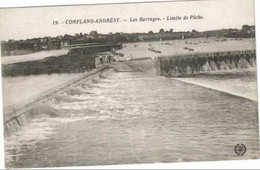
[175,66]
[16,115]
[185,65]
[131,112]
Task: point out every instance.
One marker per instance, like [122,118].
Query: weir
[191,64]
[19,114]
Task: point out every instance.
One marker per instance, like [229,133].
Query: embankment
[69,63]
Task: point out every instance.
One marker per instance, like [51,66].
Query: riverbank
[68,63]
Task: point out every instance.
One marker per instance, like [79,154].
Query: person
[109,59]
[101,60]
[106,58]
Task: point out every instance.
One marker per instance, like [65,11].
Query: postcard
[129,83]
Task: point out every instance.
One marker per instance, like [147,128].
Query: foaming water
[130,117]
[43,109]
[76,91]
[61,99]
[238,83]
[39,129]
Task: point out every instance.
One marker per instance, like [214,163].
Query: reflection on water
[129,117]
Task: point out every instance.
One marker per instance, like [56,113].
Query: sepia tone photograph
[129,83]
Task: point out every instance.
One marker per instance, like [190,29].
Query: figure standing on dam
[109,58]
[101,60]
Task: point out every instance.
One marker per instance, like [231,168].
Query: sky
[34,22]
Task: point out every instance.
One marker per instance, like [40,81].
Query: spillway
[189,65]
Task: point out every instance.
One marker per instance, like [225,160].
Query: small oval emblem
[240,149]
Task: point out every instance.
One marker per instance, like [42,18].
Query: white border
[249,164]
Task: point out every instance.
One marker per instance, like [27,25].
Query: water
[243,84]
[33,56]
[136,117]
[132,117]
[175,68]
[175,47]
[17,89]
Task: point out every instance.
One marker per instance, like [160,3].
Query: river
[135,117]
[33,56]
[176,47]
[17,89]
[132,117]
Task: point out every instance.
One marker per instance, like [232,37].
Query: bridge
[93,48]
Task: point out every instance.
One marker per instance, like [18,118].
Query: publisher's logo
[240,149]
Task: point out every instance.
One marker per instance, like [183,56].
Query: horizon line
[125,33]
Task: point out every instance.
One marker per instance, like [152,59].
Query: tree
[161,31]
[150,32]
[171,30]
[93,33]
[89,40]
[245,28]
